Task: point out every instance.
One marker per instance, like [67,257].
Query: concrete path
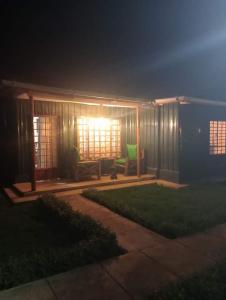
[151,263]
[131,236]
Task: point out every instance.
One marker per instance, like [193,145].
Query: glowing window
[217,137]
[99,137]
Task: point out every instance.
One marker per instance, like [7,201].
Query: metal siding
[196,163]
[67,131]
[161,137]
[169,141]
[179,136]
[149,137]
[8,131]
[155,136]
[23,138]
[128,121]
[176,139]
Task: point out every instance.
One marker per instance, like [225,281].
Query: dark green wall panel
[196,163]
[153,140]
[66,114]
[169,136]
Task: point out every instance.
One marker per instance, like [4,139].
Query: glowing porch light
[97,123]
[99,137]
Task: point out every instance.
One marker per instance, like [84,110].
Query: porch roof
[46,93]
[24,90]
[189,100]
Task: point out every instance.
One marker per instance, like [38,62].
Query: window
[99,137]
[217,137]
[45,142]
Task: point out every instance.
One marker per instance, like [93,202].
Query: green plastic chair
[129,163]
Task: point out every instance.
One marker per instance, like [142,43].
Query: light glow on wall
[99,137]
[217,137]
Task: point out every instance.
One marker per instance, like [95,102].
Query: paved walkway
[151,263]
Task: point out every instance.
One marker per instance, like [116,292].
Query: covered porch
[54,186]
[51,122]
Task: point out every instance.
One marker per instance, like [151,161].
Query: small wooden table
[105,164]
[87,168]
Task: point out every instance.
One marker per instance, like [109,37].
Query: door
[45,138]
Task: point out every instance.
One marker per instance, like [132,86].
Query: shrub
[88,242]
[207,285]
[79,225]
[91,194]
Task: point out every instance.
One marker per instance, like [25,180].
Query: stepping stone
[177,258]
[86,283]
[36,290]
[139,275]
[206,245]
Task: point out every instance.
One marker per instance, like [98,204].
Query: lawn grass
[208,285]
[172,213]
[39,239]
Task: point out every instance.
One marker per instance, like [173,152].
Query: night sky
[158,48]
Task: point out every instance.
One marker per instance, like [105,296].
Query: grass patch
[172,213]
[45,237]
[206,286]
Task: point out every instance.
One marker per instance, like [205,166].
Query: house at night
[182,139]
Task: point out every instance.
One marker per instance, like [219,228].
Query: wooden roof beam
[81,100]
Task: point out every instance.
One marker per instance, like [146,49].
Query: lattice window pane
[97,137]
[45,142]
[217,142]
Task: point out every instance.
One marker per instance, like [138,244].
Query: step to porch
[10,194]
[62,186]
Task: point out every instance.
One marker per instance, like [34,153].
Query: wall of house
[169,141]
[159,140]
[196,163]
[149,137]
[23,140]
[175,137]
[67,131]
[159,132]
[8,133]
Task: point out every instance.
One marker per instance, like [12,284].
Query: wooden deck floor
[64,185]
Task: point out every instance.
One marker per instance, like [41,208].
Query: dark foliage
[57,240]
[206,286]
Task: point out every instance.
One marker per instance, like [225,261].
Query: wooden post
[138,140]
[159,145]
[33,181]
